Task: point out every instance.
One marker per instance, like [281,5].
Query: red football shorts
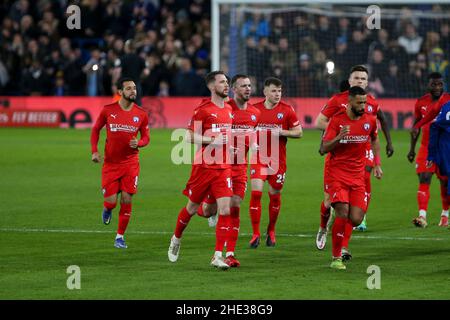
[351,193]
[119,177]
[204,181]
[238,183]
[260,171]
[421,161]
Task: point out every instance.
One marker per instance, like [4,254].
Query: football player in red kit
[277,123]
[210,129]
[425,105]
[345,139]
[123,120]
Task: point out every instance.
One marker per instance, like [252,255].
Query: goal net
[311,47]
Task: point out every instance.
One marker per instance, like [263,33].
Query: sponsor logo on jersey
[113,115]
[214,115]
[366,126]
[253,117]
[369,108]
[354,139]
[280,116]
[115,127]
[136,119]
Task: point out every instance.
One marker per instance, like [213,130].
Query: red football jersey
[211,120]
[121,127]
[340,101]
[347,160]
[433,111]
[243,132]
[282,116]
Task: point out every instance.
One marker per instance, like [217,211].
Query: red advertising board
[29,118]
[81,112]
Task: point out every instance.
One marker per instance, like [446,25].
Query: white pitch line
[28,230]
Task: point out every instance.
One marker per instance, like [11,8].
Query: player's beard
[221,94]
[356,112]
[129,98]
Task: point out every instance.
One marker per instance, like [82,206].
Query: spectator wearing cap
[438,63]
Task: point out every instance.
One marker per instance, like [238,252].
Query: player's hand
[345,130]
[219,140]
[411,155]
[254,147]
[377,172]
[134,143]
[414,133]
[389,150]
[96,157]
[429,164]
[276,132]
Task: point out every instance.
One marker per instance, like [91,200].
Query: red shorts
[204,181]
[238,183]
[421,161]
[353,194]
[119,177]
[276,180]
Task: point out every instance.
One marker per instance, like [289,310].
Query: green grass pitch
[51,219]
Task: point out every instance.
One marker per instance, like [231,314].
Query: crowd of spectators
[163,44]
[299,48]
[166,46]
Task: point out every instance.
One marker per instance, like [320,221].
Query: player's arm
[426,119]
[414,136]
[333,136]
[295,132]
[386,132]
[145,135]
[95,136]
[433,144]
[322,121]
[377,172]
[196,138]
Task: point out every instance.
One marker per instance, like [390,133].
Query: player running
[245,120]
[358,77]
[123,120]
[424,105]
[278,122]
[210,128]
[346,138]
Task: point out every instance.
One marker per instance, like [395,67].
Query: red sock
[109,205]
[255,210]
[233,233]
[444,198]
[182,221]
[200,210]
[222,227]
[423,195]
[338,235]
[274,210]
[367,179]
[347,233]
[324,215]
[124,217]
